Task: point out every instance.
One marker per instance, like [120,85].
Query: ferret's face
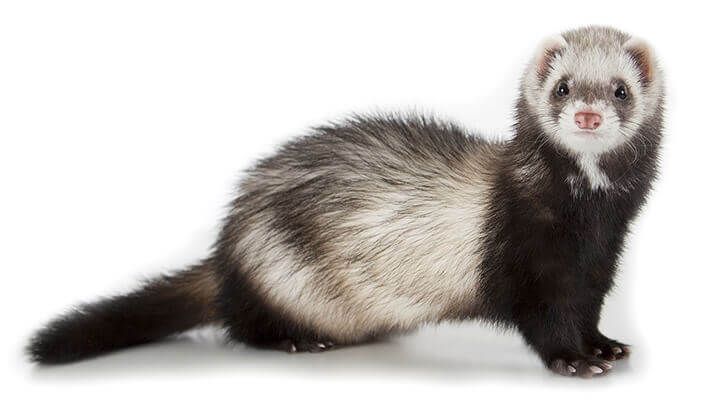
[591,89]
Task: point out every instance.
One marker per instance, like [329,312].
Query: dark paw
[582,366]
[609,349]
[292,346]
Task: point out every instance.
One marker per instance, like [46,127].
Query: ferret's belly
[379,271]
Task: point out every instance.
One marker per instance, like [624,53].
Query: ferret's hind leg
[299,346]
[249,318]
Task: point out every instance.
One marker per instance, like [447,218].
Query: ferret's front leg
[605,348]
[593,341]
[552,331]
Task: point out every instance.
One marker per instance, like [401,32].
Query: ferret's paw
[292,346]
[610,350]
[586,366]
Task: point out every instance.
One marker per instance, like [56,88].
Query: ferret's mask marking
[590,75]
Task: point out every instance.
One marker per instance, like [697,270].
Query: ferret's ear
[548,50]
[643,57]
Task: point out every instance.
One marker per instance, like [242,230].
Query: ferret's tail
[161,307]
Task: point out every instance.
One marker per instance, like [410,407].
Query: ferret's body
[376,225]
[363,228]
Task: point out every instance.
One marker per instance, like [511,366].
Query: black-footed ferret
[376,225]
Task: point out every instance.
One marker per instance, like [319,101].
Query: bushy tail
[161,307]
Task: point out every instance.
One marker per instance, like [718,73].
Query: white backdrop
[125,125]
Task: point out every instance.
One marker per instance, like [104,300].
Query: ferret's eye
[562,89]
[621,93]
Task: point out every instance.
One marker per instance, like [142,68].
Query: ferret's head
[591,89]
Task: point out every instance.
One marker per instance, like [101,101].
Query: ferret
[374,225]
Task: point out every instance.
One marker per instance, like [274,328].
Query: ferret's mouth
[587,134]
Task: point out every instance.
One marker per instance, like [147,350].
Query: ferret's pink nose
[588,120]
